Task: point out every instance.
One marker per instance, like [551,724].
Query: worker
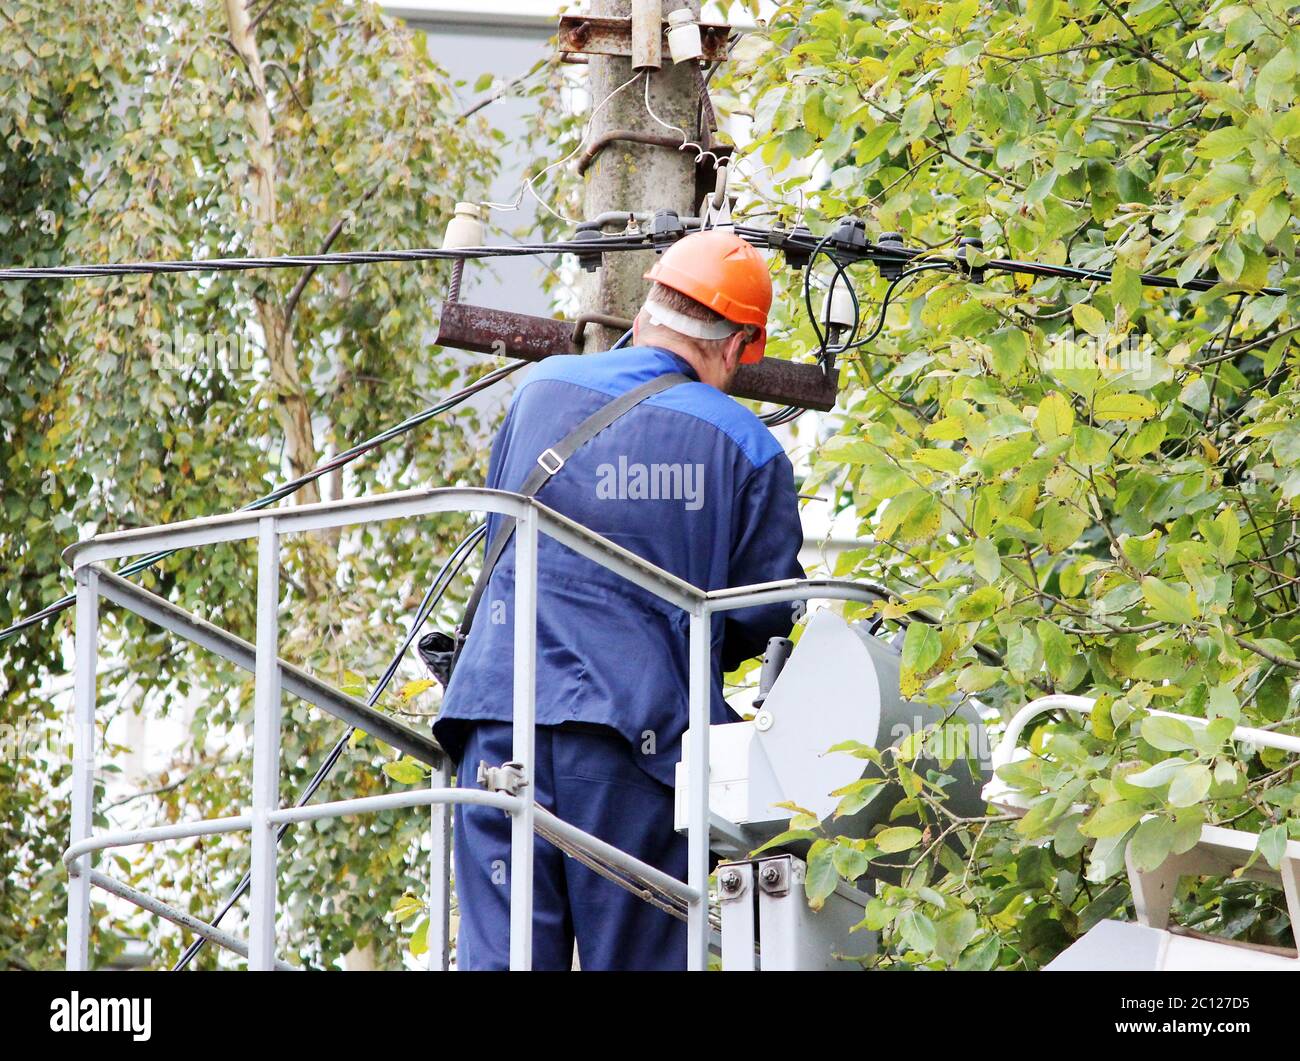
[688,479]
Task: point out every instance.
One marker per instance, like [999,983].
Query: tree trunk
[292,410]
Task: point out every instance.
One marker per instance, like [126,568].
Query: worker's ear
[734,347]
[636,328]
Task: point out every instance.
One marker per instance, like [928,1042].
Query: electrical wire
[529,183]
[884,302]
[686,140]
[825,352]
[617,242]
[449,570]
[759,237]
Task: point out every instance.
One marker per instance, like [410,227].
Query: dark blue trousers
[590,778]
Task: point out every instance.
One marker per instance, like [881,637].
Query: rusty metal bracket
[506,334]
[635,136]
[583,35]
[607,320]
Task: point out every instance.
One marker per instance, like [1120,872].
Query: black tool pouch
[438,650]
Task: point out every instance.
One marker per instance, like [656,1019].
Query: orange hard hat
[720,270]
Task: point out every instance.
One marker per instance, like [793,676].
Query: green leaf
[896,839]
[1156,776]
[980,956]
[1151,843]
[953,932]
[1191,785]
[917,930]
[979,605]
[921,647]
[849,862]
[977,677]
[1272,845]
[821,878]
[1167,604]
[1230,531]
[1111,819]
[988,563]
[1224,143]
[790,836]
[1062,525]
[1168,734]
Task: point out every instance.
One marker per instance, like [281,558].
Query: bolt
[771,875]
[730,881]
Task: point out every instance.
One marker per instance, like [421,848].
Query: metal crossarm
[273,676]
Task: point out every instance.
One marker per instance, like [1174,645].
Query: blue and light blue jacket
[690,480]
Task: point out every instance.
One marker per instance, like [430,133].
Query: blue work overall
[693,482]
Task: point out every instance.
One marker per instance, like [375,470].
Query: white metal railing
[272,676]
[1219,850]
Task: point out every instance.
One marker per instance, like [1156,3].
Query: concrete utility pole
[629,176]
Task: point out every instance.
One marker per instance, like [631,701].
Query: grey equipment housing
[839,684]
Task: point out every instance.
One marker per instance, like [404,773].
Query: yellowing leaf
[1062,525]
[899,838]
[1090,320]
[1124,407]
[414,688]
[941,460]
[1055,417]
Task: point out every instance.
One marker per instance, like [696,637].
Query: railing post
[266,750]
[86,653]
[439,872]
[697,814]
[525,699]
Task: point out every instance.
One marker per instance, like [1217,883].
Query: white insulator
[684,41]
[840,312]
[466,228]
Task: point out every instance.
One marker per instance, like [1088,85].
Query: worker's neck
[710,370]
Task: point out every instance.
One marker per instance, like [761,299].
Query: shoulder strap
[550,461]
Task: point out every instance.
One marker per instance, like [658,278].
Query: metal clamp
[508,777]
[555,459]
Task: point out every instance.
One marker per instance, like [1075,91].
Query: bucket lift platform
[689,899]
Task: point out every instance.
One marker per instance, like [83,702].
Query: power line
[615,242]
[795,243]
[770,239]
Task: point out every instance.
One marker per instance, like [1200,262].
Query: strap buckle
[555,459]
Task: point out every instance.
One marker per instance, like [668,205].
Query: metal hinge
[508,777]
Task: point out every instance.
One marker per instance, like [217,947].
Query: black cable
[280,492]
[617,242]
[884,302]
[449,570]
[811,245]
[789,413]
